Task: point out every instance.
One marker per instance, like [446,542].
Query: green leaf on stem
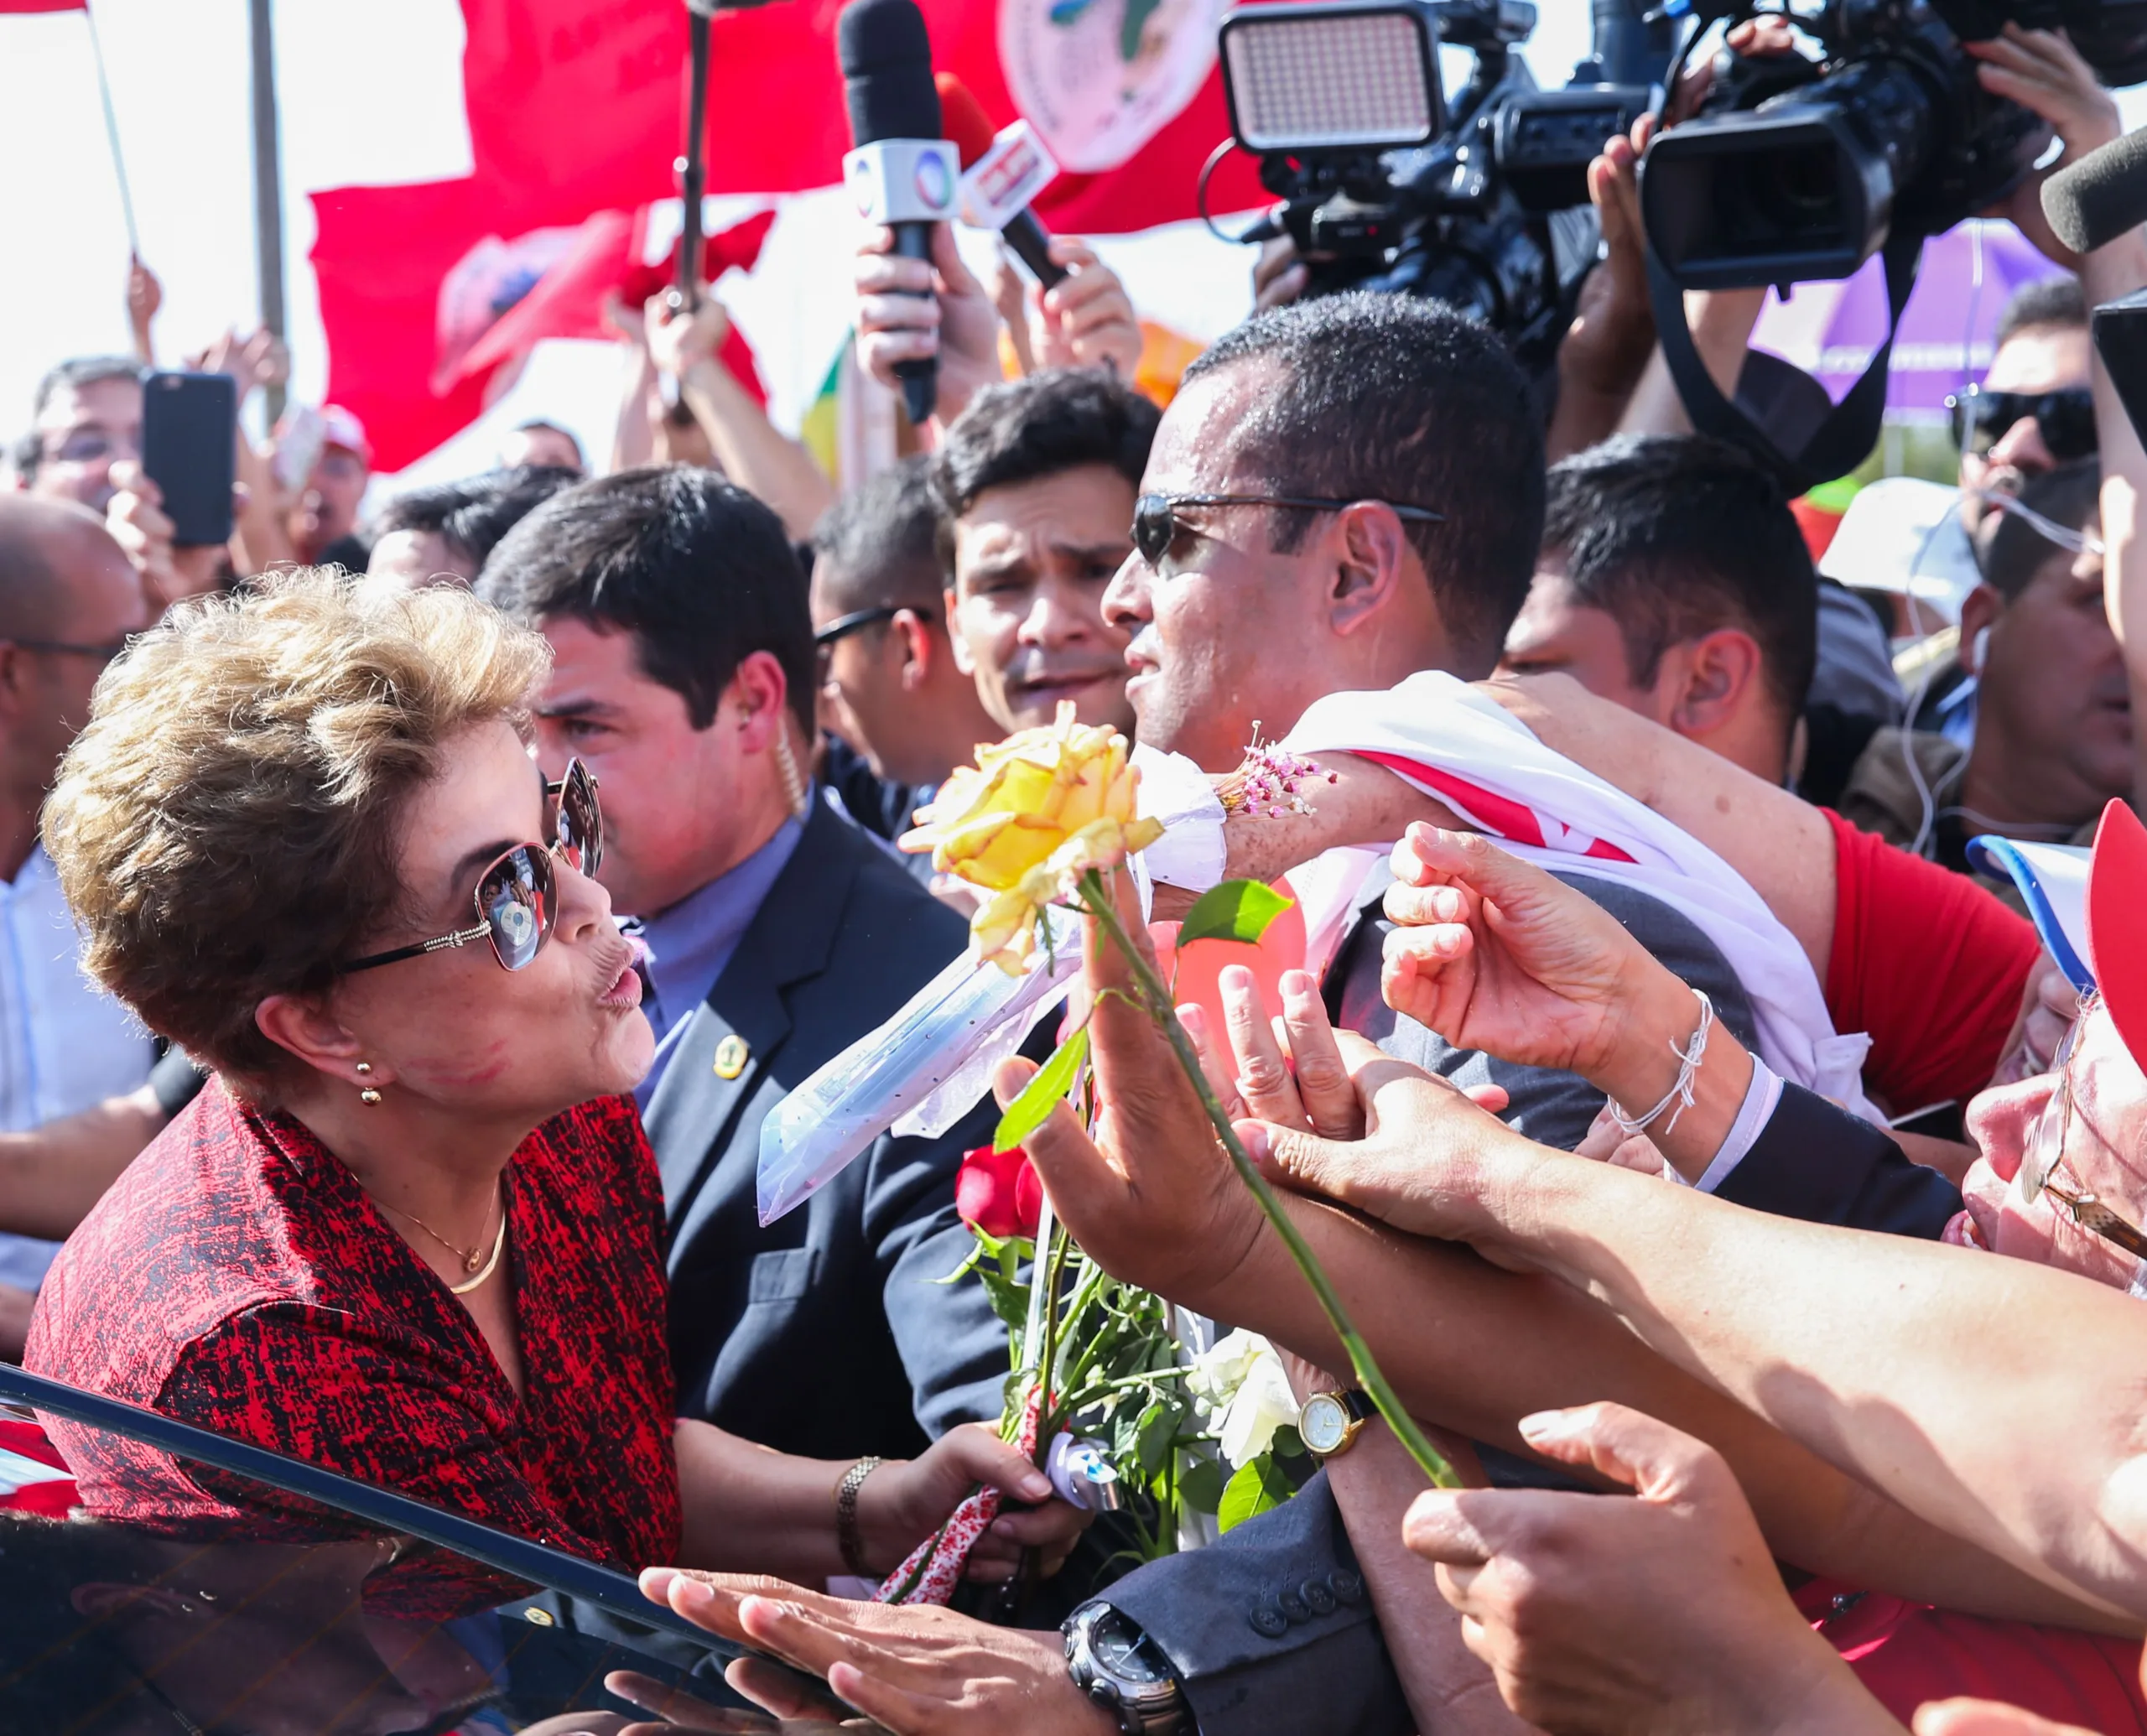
[1052,1081]
[1200,1486]
[1237,910]
[1009,1301]
[1255,1488]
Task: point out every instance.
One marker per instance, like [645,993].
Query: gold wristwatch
[1329,1421]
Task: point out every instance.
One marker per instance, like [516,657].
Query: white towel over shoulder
[1467,750]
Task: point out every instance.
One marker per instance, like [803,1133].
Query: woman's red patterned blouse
[238,1278]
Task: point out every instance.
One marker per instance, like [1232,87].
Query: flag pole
[692,164]
[267,186]
[112,132]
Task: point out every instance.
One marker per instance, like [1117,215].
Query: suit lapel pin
[731,1055]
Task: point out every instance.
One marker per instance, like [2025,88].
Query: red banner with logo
[575,110]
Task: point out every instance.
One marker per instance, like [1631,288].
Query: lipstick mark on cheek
[463,1072]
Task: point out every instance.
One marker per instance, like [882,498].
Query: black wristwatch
[1124,1671]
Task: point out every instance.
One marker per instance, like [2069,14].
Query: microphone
[2100,197]
[1000,176]
[902,172]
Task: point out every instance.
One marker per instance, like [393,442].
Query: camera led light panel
[1324,78]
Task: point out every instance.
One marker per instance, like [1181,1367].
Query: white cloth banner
[1469,751]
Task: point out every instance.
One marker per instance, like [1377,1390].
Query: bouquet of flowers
[1035,826]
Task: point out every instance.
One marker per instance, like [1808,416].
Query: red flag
[575,110]
[7,6]
[605,261]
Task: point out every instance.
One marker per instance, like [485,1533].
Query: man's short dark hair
[700,572]
[1394,398]
[472,515]
[1061,420]
[878,546]
[536,423]
[2014,550]
[2048,302]
[1675,535]
[71,375]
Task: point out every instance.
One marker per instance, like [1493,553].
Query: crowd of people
[415,908]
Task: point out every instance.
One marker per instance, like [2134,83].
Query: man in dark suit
[777,933]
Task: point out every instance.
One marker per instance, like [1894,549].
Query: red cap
[2117,924]
[962,119]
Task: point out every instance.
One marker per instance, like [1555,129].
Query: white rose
[1263,1404]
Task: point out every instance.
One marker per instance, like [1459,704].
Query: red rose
[998,1193]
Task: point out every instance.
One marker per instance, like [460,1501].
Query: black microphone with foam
[886,55]
[2100,197]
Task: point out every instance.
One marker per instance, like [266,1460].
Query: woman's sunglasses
[514,895]
[2067,419]
[1157,523]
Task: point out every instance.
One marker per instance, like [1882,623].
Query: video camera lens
[1804,186]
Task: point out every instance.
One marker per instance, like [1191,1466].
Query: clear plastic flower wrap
[925,1068]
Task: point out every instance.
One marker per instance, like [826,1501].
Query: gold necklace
[471,1258]
[499,1242]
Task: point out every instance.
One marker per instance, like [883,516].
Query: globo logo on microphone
[903,181]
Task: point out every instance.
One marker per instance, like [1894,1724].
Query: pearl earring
[368,1095]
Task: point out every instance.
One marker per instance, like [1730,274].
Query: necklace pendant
[471,1262]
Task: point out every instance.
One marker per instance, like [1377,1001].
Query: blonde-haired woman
[412,1230]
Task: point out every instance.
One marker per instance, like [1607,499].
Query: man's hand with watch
[1119,1668]
[919,1668]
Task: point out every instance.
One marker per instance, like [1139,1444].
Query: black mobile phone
[190,433]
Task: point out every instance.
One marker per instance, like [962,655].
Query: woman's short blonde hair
[225,829]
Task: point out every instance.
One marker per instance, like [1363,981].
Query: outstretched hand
[1563,1594]
[1494,954]
[918,1670]
[1151,1196]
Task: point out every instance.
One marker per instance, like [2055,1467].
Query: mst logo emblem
[1098,78]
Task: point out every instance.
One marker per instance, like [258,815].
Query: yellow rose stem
[1096,896]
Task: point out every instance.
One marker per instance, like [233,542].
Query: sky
[371,94]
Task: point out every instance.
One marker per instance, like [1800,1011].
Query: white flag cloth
[1467,750]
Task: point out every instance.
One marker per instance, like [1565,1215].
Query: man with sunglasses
[899,715]
[2053,739]
[68,597]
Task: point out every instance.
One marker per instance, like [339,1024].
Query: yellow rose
[1034,814]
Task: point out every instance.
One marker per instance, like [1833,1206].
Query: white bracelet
[1688,1069]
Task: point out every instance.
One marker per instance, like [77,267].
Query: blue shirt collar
[689,944]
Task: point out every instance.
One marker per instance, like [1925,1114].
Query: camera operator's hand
[1606,349]
[907,309]
[2043,72]
[1280,275]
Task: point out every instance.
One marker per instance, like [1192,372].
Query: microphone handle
[1030,243]
[920,375]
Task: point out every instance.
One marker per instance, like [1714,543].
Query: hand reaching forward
[920,1670]
[1494,955]
[1663,1614]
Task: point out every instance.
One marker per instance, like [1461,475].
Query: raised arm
[1469,1347]
[1995,1399]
